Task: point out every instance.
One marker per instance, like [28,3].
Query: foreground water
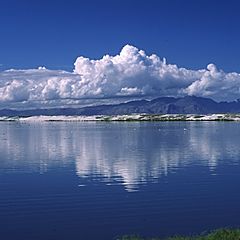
[102,180]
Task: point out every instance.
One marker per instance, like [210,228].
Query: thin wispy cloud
[131,74]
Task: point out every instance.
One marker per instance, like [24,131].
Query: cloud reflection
[129,154]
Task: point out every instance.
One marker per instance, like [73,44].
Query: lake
[101,180]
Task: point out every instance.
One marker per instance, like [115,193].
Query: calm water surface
[103,180]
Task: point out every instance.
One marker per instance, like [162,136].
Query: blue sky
[69,39]
[53,33]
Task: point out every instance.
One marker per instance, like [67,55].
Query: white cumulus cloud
[132,73]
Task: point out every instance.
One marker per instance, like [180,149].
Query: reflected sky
[127,154]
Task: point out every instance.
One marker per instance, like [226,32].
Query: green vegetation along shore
[222,234]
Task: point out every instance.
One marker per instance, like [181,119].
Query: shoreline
[125,118]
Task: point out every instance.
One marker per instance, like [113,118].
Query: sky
[152,48]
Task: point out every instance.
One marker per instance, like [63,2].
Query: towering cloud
[132,73]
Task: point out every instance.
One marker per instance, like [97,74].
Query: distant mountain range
[162,105]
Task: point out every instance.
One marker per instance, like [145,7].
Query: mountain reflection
[118,153]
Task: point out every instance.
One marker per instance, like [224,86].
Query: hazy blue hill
[192,104]
[163,105]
